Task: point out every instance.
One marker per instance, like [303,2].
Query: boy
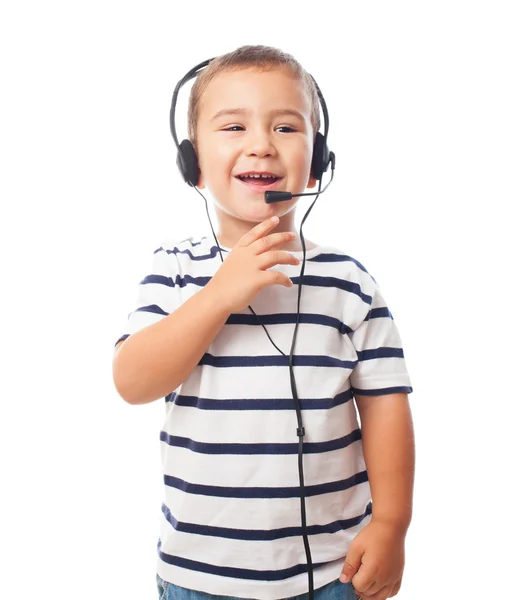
[232,522]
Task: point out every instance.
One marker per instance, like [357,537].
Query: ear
[311,182]
[200,183]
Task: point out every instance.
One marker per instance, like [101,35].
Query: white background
[423,100]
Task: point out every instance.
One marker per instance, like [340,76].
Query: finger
[373,591]
[382,594]
[364,579]
[362,590]
[351,564]
[359,595]
[258,231]
[277,257]
[277,278]
[373,588]
[270,241]
[396,589]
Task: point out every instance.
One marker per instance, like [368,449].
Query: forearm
[154,361]
[389,453]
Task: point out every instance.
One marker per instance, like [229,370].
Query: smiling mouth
[261,183]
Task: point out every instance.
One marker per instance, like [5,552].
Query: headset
[322,157]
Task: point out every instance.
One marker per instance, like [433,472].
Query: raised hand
[243,273]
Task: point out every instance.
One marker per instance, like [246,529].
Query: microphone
[271,197]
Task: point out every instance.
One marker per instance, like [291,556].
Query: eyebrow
[244,111]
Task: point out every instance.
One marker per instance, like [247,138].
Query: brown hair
[261,58]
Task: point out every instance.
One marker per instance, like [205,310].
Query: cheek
[301,156]
[215,159]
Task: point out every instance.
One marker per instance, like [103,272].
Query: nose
[259,143]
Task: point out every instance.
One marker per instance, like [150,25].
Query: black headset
[322,157]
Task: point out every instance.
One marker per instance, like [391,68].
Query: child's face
[261,135]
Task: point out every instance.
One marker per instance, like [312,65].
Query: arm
[388,444]
[375,559]
[154,361]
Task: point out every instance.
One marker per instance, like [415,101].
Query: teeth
[258,176]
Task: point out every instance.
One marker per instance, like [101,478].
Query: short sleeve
[158,294]
[381,367]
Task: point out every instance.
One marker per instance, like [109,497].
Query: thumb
[351,564]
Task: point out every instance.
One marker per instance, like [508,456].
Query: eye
[233,128]
[290,129]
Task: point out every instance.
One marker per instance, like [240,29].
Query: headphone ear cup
[320,156]
[187,162]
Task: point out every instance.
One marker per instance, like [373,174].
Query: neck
[232,229]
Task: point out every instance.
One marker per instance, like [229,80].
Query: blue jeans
[336,590]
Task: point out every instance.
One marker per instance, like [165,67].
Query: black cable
[300,429]
[219,250]
[189,179]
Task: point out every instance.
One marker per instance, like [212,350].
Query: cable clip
[300,431]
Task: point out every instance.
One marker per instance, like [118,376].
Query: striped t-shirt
[231,519]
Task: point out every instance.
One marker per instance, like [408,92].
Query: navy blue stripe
[176,248]
[123,337]
[264,492]
[269,575]
[335,282]
[188,279]
[275,319]
[377,313]
[160,279]
[323,257]
[328,257]
[275,361]
[207,256]
[308,280]
[259,403]
[383,391]
[152,308]
[269,448]
[284,318]
[312,280]
[380,353]
[279,319]
[263,535]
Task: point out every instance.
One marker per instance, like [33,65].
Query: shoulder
[175,245]
[350,267]
[356,288]
[186,255]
